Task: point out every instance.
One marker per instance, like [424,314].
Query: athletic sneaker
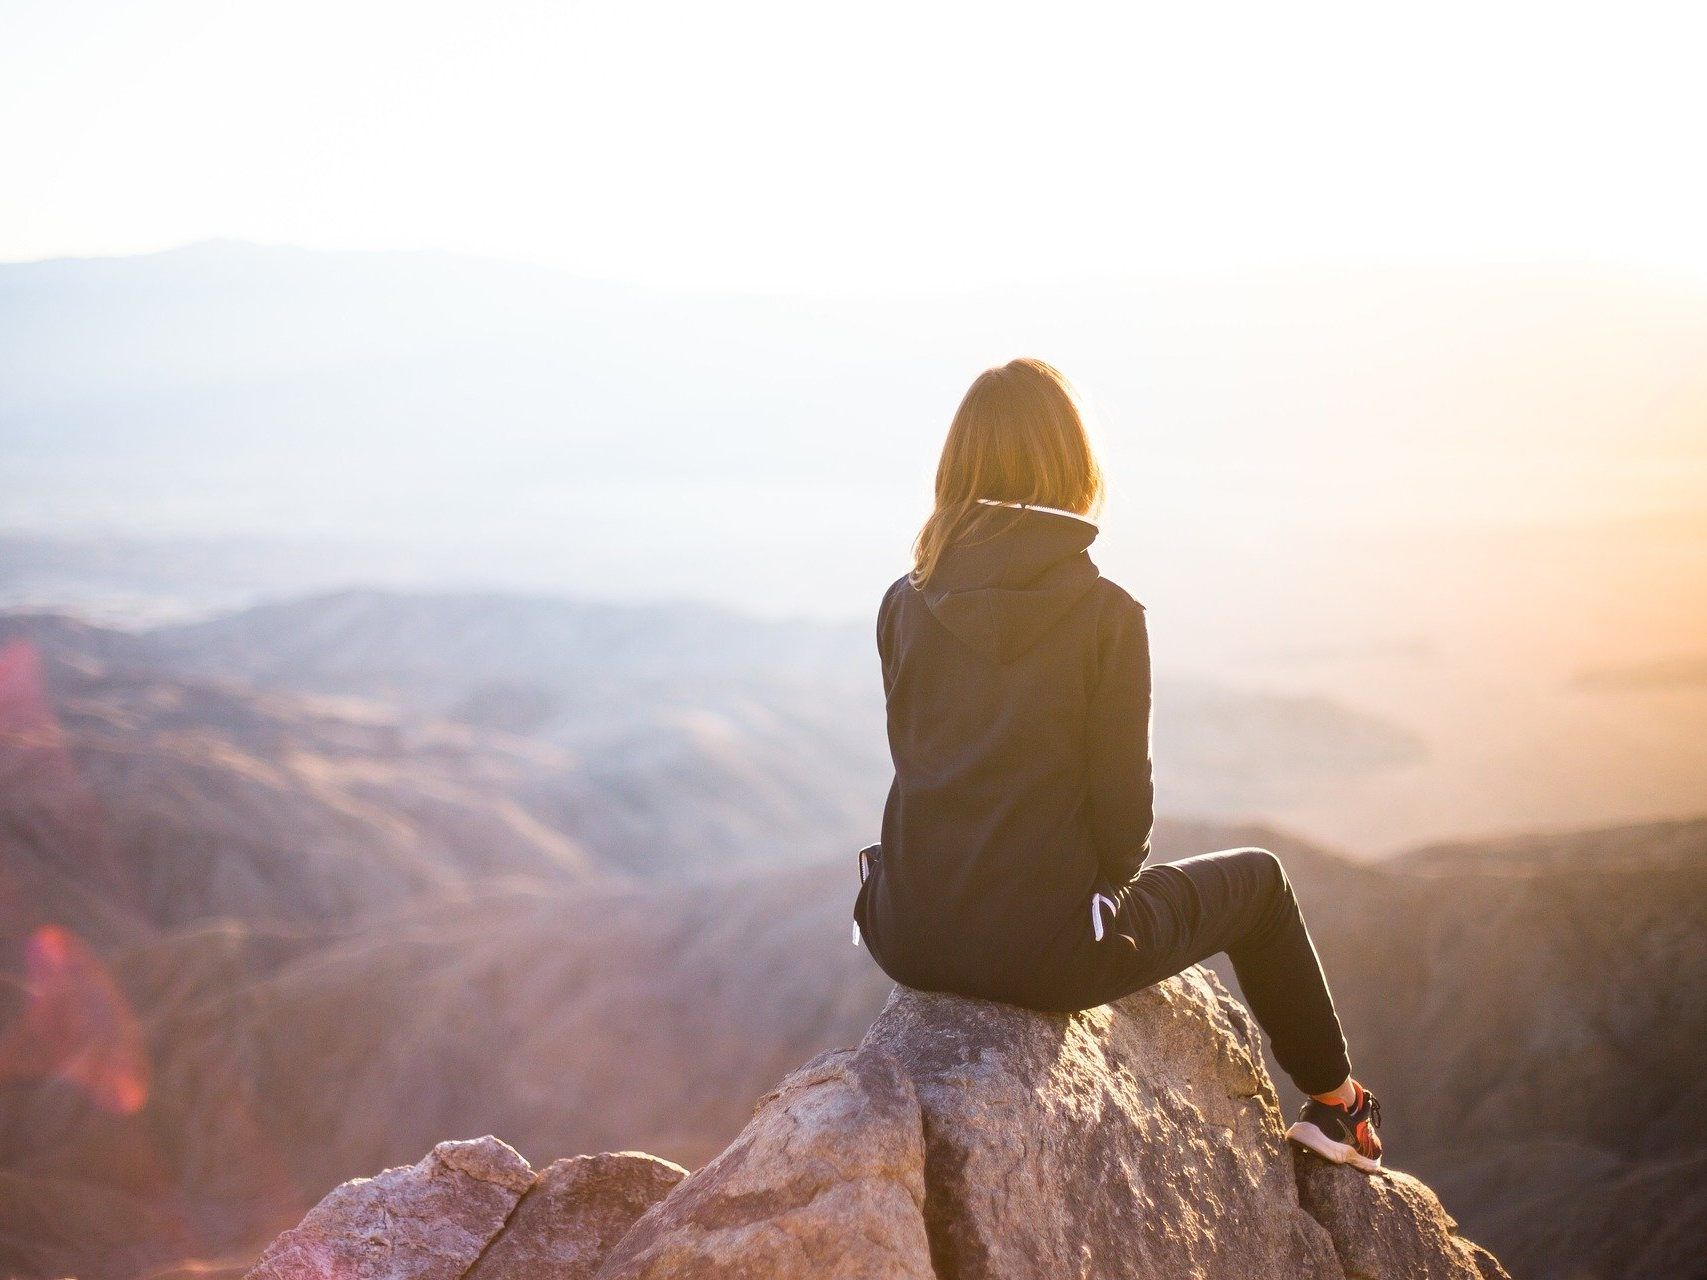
[1345,1135]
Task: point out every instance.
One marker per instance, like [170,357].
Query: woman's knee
[1267,869]
[1271,892]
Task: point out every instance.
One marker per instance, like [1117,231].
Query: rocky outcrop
[961,1139]
[429,1221]
[1388,1226]
[475,1209]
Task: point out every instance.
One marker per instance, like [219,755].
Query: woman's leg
[1240,901]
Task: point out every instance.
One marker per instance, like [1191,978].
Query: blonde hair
[1018,436]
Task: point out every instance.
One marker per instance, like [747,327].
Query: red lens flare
[76,1025]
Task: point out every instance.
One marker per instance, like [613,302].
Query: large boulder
[1125,1139]
[1143,1138]
[966,1140]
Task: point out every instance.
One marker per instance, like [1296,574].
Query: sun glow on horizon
[787,147]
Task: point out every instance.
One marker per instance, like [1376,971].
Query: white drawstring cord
[1098,902]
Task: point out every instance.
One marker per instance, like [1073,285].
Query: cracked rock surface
[429,1220]
[962,1140]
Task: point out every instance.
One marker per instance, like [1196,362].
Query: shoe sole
[1311,1138]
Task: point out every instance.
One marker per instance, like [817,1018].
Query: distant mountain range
[643,738]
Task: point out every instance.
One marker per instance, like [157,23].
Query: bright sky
[795,145]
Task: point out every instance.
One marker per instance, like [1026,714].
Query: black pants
[1176,914]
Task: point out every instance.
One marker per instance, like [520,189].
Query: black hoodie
[1018,690]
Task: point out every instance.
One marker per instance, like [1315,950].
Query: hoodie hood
[1002,593]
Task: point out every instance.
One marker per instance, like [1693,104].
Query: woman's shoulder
[896,590]
[1115,599]
[1122,636]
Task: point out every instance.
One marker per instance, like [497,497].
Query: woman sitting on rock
[1012,863]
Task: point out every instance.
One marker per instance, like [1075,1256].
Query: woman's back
[1017,683]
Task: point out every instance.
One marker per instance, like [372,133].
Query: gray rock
[426,1221]
[826,1181]
[576,1210]
[1389,1227]
[1138,1139]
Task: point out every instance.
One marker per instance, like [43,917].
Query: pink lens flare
[76,1025]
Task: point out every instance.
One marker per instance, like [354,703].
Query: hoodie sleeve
[884,646]
[1122,790]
